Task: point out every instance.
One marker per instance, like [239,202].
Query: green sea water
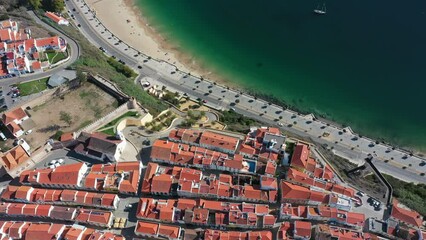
[362,64]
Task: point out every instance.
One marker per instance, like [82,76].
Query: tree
[36,4]
[66,117]
[57,5]
[81,76]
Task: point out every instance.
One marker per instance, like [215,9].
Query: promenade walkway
[343,142]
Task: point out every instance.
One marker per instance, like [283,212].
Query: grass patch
[32,87]
[115,121]
[56,57]
[237,122]
[409,194]
[109,131]
[92,60]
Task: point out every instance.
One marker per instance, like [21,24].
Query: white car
[280,124]
[60,161]
[28,132]
[52,166]
[53,162]
[57,164]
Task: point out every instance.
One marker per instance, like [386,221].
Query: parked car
[359,193]
[3,137]
[28,132]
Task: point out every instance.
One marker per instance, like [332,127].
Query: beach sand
[128,23]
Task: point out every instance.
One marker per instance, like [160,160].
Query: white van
[2,136]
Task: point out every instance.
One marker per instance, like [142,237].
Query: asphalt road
[342,141]
[75,53]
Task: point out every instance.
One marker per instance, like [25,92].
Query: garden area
[110,128]
[35,86]
[54,57]
[236,122]
[161,122]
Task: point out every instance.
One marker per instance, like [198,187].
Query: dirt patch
[69,112]
[192,105]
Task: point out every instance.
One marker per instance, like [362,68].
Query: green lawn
[115,121]
[32,87]
[109,131]
[55,57]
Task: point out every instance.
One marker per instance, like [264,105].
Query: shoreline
[157,46]
[130,24]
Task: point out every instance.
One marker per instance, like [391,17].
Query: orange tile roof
[161,150]
[5,35]
[407,216]
[29,44]
[302,229]
[16,114]
[53,16]
[146,228]
[14,157]
[219,140]
[14,128]
[66,174]
[169,231]
[300,155]
[36,65]
[161,183]
[292,191]
[22,192]
[50,41]
[355,218]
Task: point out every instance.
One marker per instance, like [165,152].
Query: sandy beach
[127,23]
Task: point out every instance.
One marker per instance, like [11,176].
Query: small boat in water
[320,11]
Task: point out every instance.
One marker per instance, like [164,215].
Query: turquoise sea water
[363,64]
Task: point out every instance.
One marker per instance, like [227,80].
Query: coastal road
[75,53]
[342,141]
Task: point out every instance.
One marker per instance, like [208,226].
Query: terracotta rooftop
[406,216]
[16,114]
[14,157]
[51,231]
[157,230]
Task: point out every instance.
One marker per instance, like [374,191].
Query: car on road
[280,124]
[204,101]
[232,109]
[361,194]
[79,25]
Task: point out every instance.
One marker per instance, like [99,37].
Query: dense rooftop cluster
[43,231]
[191,168]
[119,177]
[200,185]
[20,53]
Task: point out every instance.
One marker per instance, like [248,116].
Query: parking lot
[368,208]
